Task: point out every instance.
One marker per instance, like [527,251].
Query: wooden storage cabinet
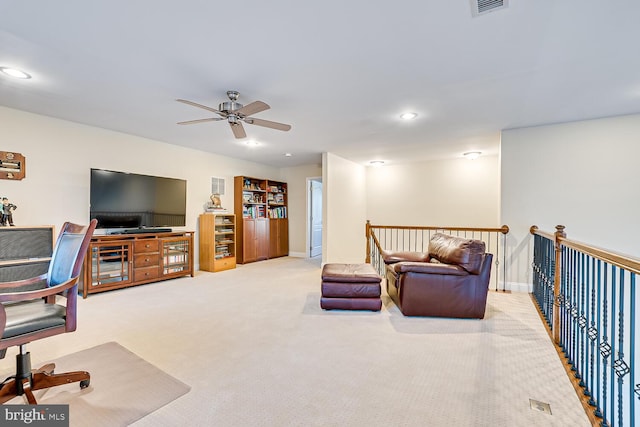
[120,261]
[217,238]
[255,240]
[25,252]
[263,228]
[278,237]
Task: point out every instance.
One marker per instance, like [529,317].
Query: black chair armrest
[429,268]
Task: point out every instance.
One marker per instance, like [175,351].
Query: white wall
[453,192]
[296,178]
[583,175]
[344,210]
[59,155]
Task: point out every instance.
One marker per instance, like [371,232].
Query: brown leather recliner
[451,280]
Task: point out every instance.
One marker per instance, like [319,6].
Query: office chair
[40,307]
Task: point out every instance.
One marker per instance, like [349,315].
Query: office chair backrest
[68,254]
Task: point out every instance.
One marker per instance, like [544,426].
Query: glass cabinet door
[175,255]
[110,263]
[224,236]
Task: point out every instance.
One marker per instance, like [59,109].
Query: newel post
[367,233]
[557,282]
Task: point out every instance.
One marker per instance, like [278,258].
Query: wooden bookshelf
[217,238]
[263,226]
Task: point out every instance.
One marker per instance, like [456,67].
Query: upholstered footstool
[350,287]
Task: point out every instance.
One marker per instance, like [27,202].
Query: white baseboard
[298,254]
[519,287]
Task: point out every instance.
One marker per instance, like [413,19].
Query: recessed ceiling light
[14,72]
[472,155]
[252,143]
[288,154]
[408,116]
[376,162]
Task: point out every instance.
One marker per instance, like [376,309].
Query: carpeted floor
[257,350]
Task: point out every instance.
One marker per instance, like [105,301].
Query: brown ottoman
[350,287]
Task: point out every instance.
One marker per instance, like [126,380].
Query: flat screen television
[129,200]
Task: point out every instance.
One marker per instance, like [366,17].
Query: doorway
[315,216]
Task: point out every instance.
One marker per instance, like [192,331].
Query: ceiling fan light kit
[235,113]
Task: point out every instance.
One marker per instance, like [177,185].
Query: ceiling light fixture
[14,72]
[288,154]
[376,162]
[408,116]
[252,143]
[472,155]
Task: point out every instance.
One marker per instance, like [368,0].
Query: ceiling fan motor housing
[229,106]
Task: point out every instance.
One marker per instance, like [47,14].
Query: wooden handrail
[376,233]
[504,229]
[536,231]
[619,260]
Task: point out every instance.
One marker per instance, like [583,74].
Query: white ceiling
[340,72]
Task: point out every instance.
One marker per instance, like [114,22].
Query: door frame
[309,224]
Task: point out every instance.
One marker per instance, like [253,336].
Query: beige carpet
[124,387]
[257,350]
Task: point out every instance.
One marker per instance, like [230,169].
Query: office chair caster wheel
[84,384]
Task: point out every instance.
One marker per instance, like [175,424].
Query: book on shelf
[216,210]
[279,212]
[175,259]
[253,211]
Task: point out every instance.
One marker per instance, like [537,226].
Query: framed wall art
[12,165]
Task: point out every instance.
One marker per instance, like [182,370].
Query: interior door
[315,192]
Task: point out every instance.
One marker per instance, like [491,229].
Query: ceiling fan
[235,113]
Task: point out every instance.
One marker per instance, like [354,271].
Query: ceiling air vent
[480,7]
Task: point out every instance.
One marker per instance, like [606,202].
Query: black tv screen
[128,200]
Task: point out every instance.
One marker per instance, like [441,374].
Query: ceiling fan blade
[195,104]
[267,124]
[253,108]
[191,122]
[238,130]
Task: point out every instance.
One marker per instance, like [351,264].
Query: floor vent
[540,406]
[480,7]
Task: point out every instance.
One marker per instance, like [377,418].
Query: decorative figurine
[7,212]
[215,201]
[214,204]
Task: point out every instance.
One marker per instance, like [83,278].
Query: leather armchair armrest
[429,268]
[401,256]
